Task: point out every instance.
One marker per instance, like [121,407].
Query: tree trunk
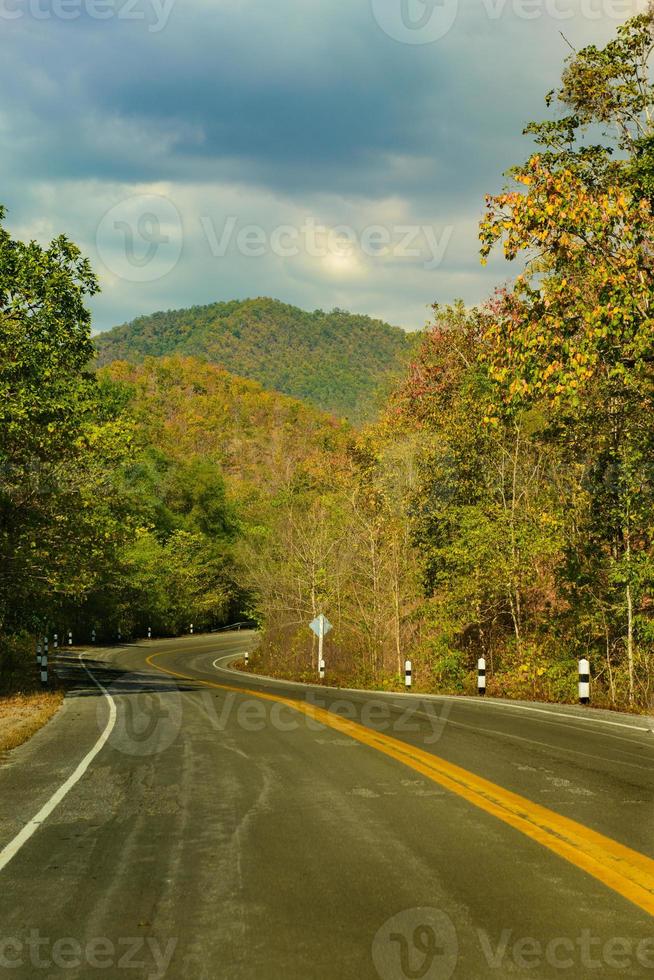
[630,622]
[630,643]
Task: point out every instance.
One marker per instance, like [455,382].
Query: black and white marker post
[584,682]
[481,676]
[407,674]
[70,638]
[322,670]
[38,652]
[44,663]
[56,641]
[149,632]
[191,629]
[247,657]
[93,635]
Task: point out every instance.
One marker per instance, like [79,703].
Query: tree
[61,434]
[576,331]
[483,514]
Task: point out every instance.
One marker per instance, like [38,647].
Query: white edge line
[569,716]
[13,847]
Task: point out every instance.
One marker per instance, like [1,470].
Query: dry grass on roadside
[21,715]
[24,705]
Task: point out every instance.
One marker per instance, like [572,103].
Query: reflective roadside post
[584,682]
[481,676]
[407,674]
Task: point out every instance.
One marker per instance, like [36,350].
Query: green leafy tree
[60,439]
[576,332]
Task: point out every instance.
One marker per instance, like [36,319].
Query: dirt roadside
[23,714]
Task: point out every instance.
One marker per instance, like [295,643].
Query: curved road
[180,819]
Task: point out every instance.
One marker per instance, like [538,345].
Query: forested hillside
[505,507]
[211,455]
[186,408]
[338,361]
[500,505]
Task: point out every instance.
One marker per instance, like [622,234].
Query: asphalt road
[179,819]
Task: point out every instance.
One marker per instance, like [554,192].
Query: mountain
[262,441]
[340,362]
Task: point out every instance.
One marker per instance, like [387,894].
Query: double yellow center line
[622,869]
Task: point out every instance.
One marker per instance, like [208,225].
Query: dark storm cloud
[323,101]
[272,112]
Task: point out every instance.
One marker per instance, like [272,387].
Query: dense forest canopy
[338,361]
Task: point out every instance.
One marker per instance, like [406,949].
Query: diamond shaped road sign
[321,625]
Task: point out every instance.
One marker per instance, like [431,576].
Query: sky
[329,153]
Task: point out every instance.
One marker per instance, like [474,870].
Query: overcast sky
[324,152]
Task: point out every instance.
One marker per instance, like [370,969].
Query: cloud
[273,113]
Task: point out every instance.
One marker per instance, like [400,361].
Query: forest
[338,361]
[499,503]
